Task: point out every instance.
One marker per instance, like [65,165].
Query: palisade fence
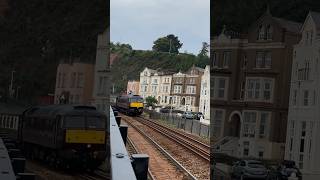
[188,125]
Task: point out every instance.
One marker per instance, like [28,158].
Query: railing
[188,125]
[9,121]
[121,167]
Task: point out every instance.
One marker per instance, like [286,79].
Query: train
[130,104]
[67,136]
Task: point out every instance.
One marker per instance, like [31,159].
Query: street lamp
[11,84]
[170,102]
[17,93]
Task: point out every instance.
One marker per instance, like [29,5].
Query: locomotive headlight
[89,146]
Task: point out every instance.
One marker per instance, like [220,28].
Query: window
[259,89]
[294,98]
[217,122]
[304,72]
[269,32]
[260,154]
[302,143]
[263,59]
[219,87]
[177,89]
[264,117]
[63,80]
[226,59]
[80,80]
[249,124]
[242,89]
[191,90]
[214,59]
[245,61]
[267,89]
[73,79]
[306,98]
[59,80]
[222,84]
[245,151]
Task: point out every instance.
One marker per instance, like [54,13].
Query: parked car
[246,169]
[286,168]
[198,115]
[166,109]
[188,115]
[178,112]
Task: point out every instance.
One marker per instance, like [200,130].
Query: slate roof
[290,26]
[316,18]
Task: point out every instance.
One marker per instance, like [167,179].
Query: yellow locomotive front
[85,139]
[136,105]
[130,104]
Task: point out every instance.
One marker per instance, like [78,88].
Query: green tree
[169,43]
[151,101]
[204,50]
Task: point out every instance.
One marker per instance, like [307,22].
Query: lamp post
[17,92]
[11,83]
[170,102]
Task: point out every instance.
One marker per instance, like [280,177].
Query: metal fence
[188,125]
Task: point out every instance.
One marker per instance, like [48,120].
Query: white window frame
[215,85]
[260,91]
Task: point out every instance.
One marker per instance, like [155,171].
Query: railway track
[134,150]
[154,172]
[189,142]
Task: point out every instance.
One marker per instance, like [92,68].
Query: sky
[140,22]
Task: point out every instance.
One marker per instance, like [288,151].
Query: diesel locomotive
[64,135]
[130,104]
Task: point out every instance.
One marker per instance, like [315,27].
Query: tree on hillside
[151,101]
[204,50]
[169,43]
[123,49]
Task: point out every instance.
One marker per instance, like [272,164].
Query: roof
[316,18]
[288,25]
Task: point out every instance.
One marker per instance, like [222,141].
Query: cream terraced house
[204,105]
[145,82]
[164,89]
[303,128]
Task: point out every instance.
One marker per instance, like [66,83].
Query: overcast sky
[140,22]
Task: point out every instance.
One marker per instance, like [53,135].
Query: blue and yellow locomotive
[130,104]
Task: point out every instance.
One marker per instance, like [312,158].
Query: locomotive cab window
[74,122]
[95,122]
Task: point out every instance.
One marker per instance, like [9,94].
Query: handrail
[121,167]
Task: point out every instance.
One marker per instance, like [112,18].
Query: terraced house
[250,83]
[185,89]
[304,118]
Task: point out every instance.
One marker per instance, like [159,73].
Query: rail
[199,148]
[164,152]
[120,160]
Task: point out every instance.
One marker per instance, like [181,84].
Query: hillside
[237,15]
[129,66]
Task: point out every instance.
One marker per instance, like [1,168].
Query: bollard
[118,119]
[124,132]
[18,165]
[140,166]
[116,113]
[26,176]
